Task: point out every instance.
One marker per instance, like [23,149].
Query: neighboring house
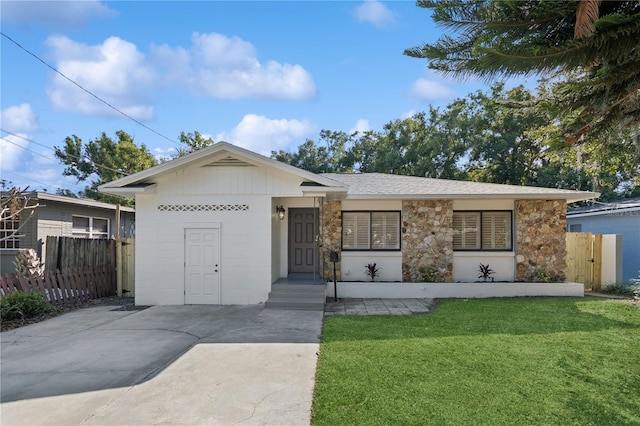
[222,224]
[62,216]
[621,218]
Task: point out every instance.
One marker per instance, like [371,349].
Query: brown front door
[303,227]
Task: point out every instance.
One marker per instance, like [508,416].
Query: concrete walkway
[378,306]
[178,365]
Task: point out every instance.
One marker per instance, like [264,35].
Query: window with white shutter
[371,230]
[496,230]
[486,230]
[466,230]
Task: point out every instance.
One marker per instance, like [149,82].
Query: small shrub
[622,289]
[372,271]
[631,288]
[540,275]
[19,305]
[486,272]
[430,274]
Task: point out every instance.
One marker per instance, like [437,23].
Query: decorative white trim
[398,290]
[202,207]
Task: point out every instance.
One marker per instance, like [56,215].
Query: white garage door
[202,266]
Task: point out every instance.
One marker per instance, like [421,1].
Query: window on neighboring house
[8,231]
[575,227]
[371,230]
[485,230]
[90,227]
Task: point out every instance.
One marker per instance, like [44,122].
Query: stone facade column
[541,238]
[331,236]
[427,238]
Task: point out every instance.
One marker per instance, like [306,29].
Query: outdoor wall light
[280,211]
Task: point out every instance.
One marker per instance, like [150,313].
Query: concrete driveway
[177,365]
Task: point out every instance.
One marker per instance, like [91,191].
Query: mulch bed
[125,303]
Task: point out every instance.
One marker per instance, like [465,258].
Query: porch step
[296,297]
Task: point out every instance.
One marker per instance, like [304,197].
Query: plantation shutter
[496,230]
[385,230]
[466,232]
[355,231]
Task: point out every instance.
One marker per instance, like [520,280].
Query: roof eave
[130,190]
[570,198]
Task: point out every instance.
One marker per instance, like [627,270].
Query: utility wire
[75,157]
[88,91]
[35,181]
[27,149]
[45,157]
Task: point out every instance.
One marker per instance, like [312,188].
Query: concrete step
[297,305]
[297,297]
[297,288]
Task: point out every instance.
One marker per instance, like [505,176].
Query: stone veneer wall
[331,236]
[541,238]
[427,238]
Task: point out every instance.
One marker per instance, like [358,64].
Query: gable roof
[380,185]
[218,154]
[84,202]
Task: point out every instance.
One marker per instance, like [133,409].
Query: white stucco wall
[611,260]
[246,269]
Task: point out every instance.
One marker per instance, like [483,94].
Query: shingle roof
[370,185]
[633,203]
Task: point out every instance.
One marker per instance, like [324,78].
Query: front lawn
[563,361]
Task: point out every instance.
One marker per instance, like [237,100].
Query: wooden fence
[77,254]
[125,266]
[584,259]
[64,287]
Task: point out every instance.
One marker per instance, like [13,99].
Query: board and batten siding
[245,234]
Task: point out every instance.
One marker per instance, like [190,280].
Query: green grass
[552,361]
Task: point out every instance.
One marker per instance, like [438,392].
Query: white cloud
[431,90]
[408,114]
[114,71]
[362,126]
[120,74]
[375,12]
[228,68]
[19,118]
[13,152]
[263,135]
[56,14]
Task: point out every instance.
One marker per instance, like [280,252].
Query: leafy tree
[66,193]
[590,47]
[103,160]
[193,142]
[503,148]
[333,155]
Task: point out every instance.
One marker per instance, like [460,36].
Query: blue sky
[262,75]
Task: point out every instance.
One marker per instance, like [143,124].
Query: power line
[33,180]
[75,157]
[88,91]
[27,149]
